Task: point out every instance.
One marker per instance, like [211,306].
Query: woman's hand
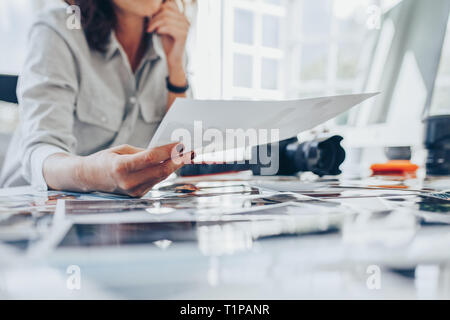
[173,27]
[123,169]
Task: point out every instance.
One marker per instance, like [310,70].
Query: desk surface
[231,237]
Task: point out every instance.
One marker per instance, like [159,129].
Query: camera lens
[320,156]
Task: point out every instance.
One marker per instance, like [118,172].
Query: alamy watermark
[73,281]
[73,21]
[373,21]
[373,281]
[214,141]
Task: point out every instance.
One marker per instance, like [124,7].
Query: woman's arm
[173,27]
[47,91]
[177,77]
[123,169]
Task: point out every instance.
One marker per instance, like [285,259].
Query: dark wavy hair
[98,19]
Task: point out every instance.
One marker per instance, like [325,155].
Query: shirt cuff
[38,157]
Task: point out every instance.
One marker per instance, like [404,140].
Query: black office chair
[8,85]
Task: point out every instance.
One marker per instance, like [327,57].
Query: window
[242,70]
[283,49]
[326,46]
[253,49]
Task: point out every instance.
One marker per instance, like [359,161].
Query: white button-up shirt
[76,100]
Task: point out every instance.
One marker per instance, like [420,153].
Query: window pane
[313,63]
[243,26]
[347,60]
[351,17]
[351,28]
[306,93]
[343,118]
[242,71]
[269,74]
[271,31]
[276,2]
[316,17]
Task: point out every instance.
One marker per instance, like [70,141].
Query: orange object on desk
[394,167]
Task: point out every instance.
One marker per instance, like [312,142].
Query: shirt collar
[154,47]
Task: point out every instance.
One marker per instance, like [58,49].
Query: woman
[92,98]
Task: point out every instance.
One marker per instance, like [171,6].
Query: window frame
[257,51]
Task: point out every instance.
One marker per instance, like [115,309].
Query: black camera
[437,142]
[320,156]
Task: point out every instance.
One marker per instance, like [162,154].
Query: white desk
[328,266]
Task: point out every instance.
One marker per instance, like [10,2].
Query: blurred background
[286,49]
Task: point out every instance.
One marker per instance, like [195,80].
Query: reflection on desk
[235,236]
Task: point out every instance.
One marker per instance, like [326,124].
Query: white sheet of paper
[290,117]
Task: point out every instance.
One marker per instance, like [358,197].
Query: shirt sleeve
[38,157]
[47,92]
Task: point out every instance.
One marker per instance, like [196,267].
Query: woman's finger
[154,25]
[162,170]
[154,156]
[144,187]
[126,149]
[140,191]
[171,5]
[167,17]
[150,176]
[164,14]
[170,166]
[172,31]
[169,12]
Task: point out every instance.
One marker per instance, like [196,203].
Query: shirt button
[133,100]
[103,119]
